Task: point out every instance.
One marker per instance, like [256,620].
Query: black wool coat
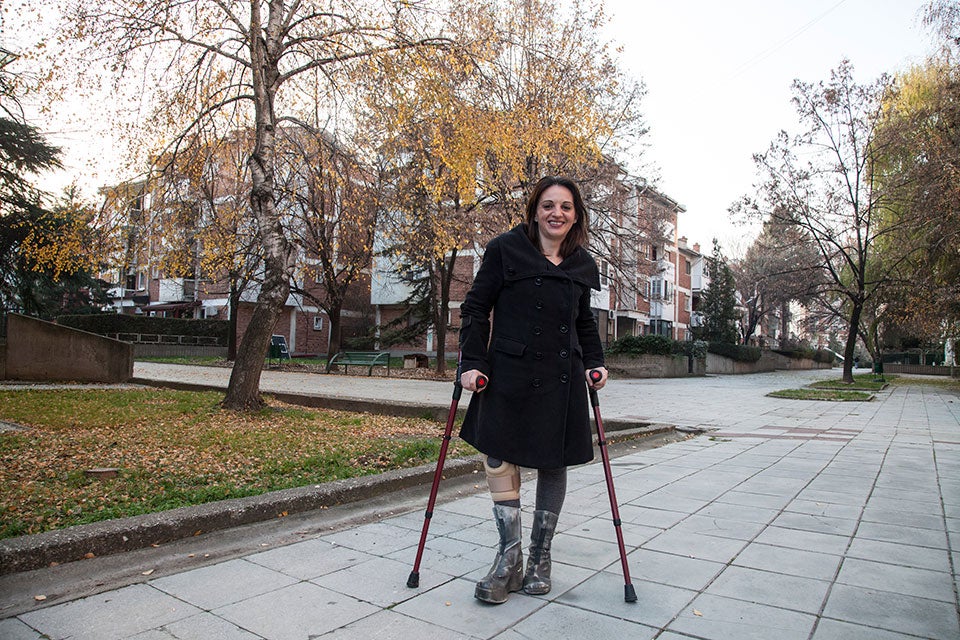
[534,413]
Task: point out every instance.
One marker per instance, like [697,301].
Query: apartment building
[651,279]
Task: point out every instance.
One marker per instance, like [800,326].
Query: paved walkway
[794,520]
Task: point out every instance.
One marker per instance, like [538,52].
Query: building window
[653,253]
[688,267]
[318,323]
[661,328]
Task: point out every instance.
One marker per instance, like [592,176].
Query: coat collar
[522,260]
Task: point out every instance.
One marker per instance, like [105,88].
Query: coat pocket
[509,346]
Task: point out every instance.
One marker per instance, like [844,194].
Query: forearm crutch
[414,580]
[629,593]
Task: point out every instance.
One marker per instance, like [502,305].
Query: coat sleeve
[475,311]
[587,332]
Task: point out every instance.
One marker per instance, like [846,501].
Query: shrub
[640,345]
[738,352]
[657,345]
[111,323]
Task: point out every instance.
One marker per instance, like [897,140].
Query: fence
[922,369]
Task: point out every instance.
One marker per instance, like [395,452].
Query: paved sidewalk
[792,520]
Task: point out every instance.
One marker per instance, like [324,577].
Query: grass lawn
[178,448]
[861,381]
[822,394]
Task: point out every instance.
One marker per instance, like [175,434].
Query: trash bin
[878,367]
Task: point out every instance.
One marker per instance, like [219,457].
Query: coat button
[537,331]
[564,328]
[564,353]
[539,304]
[511,271]
[538,281]
[538,355]
[536,383]
[564,378]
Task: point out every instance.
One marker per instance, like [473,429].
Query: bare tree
[823,184]
[334,197]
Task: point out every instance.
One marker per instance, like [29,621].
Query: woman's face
[556,214]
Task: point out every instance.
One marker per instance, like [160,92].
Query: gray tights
[551,488]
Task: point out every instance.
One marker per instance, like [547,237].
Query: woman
[536,355]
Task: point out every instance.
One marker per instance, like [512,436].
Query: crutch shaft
[629,593]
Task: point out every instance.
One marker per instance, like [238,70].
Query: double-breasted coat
[543,336]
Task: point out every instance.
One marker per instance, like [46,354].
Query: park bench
[369,359]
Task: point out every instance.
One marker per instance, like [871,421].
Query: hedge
[817,355]
[656,345]
[112,323]
[738,352]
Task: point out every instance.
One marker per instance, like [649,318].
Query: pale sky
[718,78]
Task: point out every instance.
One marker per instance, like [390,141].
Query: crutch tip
[629,593]
[414,580]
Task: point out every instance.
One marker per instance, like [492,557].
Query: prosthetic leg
[506,574]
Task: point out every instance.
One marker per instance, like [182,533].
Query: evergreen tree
[719,303]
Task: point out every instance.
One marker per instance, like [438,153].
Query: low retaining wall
[922,369]
[769,361]
[652,366]
[43,351]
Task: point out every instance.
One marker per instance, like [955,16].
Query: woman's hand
[599,383]
[469,380]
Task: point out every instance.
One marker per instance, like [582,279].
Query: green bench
[369,359]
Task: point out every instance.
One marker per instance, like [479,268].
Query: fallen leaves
[174,448]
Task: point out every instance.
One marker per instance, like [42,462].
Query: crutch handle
[482,382]
[595,376]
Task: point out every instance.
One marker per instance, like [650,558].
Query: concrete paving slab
[561,621]
[798,539]
[14,629]
[309,559]
[793,562]
[222,584]
[893,612]
[880,576]
[718,618]
[389,625]
[672,570]
[836,630]
[202,626]
[114,614]
[452,606]
[775,589]
[298,612]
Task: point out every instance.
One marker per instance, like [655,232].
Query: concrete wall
[42,351]
[651,366]
[769,361]
[922,369]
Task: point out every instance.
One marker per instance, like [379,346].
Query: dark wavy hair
[579,234]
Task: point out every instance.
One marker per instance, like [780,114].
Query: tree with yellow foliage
[526,90]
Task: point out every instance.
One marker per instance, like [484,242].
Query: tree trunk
[851,342]
[234,312]
[440,318]
[336,331]
[243,391]
[784,323]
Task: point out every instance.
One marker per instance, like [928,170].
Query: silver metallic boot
[536,581]
[506,574]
